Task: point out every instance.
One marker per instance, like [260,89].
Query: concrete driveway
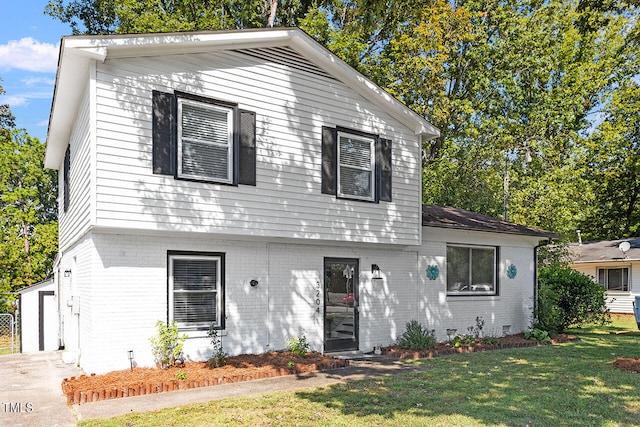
[30,392]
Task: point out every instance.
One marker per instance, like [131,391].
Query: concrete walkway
[31,395]
[30,391]
[358,369]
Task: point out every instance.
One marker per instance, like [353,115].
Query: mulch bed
[441,349]
[247,367]
[141,381]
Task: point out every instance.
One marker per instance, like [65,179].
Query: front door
[340,304]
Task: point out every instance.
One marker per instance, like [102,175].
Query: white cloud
[43,123]
[14,101]
[30,55]
[32,81]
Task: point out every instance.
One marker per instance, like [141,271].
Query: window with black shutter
[356,165]
[196,290]
[203,139]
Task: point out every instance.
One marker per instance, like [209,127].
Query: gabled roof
[460,219]
[605,250]
[77,53]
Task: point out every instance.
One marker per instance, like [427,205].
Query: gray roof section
[605,250]
[460,219]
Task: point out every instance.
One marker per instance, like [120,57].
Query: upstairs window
[614,279]
[471,270]
[205,141]
[65,179]
[356,166]
[196,288]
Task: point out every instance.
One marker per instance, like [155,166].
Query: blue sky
[29,42]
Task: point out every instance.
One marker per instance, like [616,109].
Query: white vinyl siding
[75,220]
[356,166]
[291,107]
[205,141]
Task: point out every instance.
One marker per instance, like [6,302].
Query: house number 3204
[317,299]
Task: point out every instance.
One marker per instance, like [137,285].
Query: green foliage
[291,364]
[568,298]
[219,357]
[537,335]
[465,340]
[490,341]
[28,212]
[166,345]
[415,337]
[181,376]
[298,346]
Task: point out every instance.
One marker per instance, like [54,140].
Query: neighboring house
[616,270]
[254,181]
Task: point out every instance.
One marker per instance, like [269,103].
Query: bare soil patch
[140,381]
[627,364]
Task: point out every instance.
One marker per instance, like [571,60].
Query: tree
[28,211]
[613,156]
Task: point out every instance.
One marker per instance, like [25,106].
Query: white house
[253,180]
[615,264]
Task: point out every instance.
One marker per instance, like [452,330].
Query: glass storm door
[340,304]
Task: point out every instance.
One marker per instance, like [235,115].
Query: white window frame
[372,164]
[605,285]
[229,138]
[219,291]
[473,292]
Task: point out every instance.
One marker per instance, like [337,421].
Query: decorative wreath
[512,271]
[432,272]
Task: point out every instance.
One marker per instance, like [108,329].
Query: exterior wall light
[67,273]
[253,283]
[375,271]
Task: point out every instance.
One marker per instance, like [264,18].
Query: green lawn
[562,385]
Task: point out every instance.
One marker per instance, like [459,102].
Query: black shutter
[65,185]
[164,133]
[329,160]
[385,170]
[247,152]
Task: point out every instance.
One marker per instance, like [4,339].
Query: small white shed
[38,308]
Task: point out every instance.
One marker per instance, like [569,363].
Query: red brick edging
[78,397]
[400,353]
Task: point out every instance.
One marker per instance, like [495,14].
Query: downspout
[535,274]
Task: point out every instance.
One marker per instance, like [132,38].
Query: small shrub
[415,337]
[465,340]
[537,335]
[490,341]
[219,357]
[298,346]
[166,345]
[291,364]
[476,330]
[181,376]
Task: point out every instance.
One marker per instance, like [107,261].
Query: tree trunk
[273,7]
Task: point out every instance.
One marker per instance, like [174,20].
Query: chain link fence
[8,336]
